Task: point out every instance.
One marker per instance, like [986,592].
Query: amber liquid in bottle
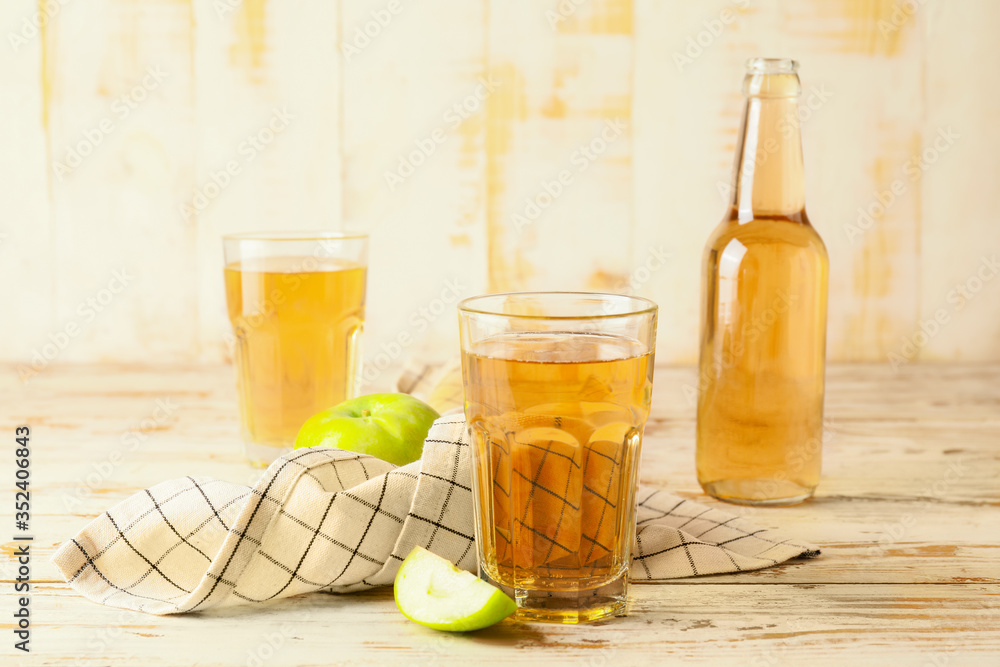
[763,330]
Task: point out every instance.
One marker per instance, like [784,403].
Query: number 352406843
[22,461]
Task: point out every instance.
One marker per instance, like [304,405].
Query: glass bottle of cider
[763,317]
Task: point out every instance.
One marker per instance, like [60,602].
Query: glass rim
[772,66]
[304,235]
[648,306]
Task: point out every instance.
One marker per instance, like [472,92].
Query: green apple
[391,427]
[433,592]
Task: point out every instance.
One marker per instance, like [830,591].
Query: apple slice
[433,592]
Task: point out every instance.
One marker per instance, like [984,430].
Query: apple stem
[366,413]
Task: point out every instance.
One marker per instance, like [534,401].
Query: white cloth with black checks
[330,520]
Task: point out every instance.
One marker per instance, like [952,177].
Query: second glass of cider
[557,393]
[296,302]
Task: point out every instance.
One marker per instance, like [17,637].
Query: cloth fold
[329,520]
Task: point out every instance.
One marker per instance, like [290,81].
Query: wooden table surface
[907,516]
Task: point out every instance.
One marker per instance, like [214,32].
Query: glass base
[759,492]
[583,605]
[261,456]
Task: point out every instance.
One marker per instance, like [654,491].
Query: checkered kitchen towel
[330,520]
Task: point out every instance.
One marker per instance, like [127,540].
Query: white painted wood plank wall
[896,92]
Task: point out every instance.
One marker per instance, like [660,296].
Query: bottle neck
[769,178]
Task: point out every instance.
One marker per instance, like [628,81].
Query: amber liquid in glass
[557,424]
[296,340]
[763,333]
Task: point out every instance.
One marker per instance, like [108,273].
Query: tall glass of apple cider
[557,392]
[296,301]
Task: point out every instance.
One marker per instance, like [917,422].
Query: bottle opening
[772,78]
[772,66]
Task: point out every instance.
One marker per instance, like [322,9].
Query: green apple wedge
[391,427]
[431,591]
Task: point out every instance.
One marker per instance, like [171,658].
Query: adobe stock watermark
[913,169]
[129,441]
[957,298]
[109,635]
[272,641]
[656,258]
[214,528]
[86,312]
[440,644]
[121,108]
[580,160]
[563,11]
[901,13]
[248,150]
[987,619]
[224,8]
[32,25]
[419,322]
[800,456]
[106,638]
[363,34]
[894,533]
[703,39]
[730,356]
[790,125]
[602,655]
[771,655]
[426,146]
[291,281]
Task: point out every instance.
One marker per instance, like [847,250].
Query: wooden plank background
[907,516]
[616,119]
